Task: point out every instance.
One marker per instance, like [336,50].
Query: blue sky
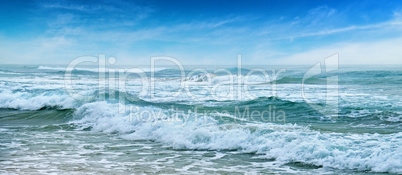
[202,32]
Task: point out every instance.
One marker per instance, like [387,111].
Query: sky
[202,32]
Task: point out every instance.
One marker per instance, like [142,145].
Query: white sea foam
[28,101]
[285,143]
[52,68]
[137,70]
[9,73]
[228,79]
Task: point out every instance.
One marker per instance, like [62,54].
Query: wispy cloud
[87,7]
[212,31]
[107,13]
[322,21]
[377,52]
[67,7]
[389,24]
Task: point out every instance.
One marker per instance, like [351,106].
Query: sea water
[206,122]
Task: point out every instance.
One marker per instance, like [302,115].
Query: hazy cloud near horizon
[198,32]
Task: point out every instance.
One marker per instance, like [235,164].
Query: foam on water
[8,73]
[228,79]
[29,101]
[285,143]
[137,70]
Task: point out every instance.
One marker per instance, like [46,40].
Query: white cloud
[384,25]
[36,51]
[379,52]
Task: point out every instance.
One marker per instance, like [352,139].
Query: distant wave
[236,69]
[296,110]
[296,80]
[252,79]
[28,101]
[214,78]
[9,73]
[371,74]
[137,70]
[52,68]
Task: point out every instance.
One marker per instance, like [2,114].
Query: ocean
[200,120]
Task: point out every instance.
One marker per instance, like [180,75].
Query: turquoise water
[215,123]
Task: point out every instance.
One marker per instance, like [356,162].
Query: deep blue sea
[200,120]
